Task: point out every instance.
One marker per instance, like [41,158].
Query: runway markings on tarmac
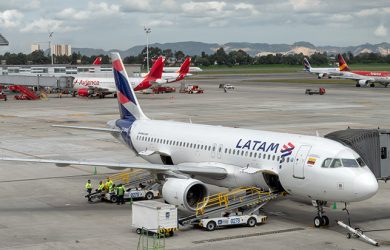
[248,235]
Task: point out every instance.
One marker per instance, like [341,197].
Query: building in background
[35,47]
[61,49]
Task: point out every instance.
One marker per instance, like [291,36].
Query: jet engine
[85,92]
[321,75]
[185,193]
[361,83]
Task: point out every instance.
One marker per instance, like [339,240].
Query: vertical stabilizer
[343,66]
[306,64]
[129,107]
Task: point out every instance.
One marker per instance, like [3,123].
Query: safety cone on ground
[334,205]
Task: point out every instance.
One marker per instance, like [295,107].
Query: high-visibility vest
[101,187]
[121,190]
[88,185]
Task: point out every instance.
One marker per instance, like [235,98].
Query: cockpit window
[327,163]
[350,163]
[361,162]
[336,163]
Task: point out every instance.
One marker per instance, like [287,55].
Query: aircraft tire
[317,221]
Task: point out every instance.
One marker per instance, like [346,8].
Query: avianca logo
[287,149]
[87,83]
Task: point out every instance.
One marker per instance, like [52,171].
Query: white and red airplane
[363,78]
[101,86]
[187,156]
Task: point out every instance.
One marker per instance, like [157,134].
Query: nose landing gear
[321,219]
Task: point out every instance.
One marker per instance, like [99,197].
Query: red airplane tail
[185,67]
[343,66]
[156,70]
[97,61]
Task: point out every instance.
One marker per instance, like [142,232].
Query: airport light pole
[51,51]
[148,31]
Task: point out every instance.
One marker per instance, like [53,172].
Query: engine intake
[185,193]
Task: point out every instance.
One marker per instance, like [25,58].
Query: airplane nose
[366,186]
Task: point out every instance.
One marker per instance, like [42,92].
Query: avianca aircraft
[320,72]
[363,78]
[186,156]
[102,86]
[179,75]
[98,61]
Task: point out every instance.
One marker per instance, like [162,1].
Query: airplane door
[300,161]
[213,149]
[219,152]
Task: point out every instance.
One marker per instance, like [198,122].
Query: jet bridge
[245,200]
[373,145]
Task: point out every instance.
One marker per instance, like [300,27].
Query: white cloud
[203,7]
[137,5]
[44,25]
[70,13]
[305,5]
[20,4]
[103,9]
[246,7]
[160,23]
[93,10]
[10,18]
[381,31]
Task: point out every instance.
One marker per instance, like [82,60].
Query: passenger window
[250,154]
[278,158]
[288,159]
[255,155]
[336,163]
[225,150]
[264,156]
[238,152]
[259,155]
[246,153]
[234,151]
[269,157]
[230,151]
[273,157]
[242,153]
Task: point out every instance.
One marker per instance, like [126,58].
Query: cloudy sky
[119,24]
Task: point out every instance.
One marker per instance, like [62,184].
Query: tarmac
[43,206]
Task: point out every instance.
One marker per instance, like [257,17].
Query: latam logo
[87,83]
[287,149]
[258,145]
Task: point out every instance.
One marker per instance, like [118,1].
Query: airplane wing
[88,128]
[206,170]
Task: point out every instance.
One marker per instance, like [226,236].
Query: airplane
[179,75]
[176,69]
[102,86]
[97,61]
[187,156]
[320,72]
[363,78]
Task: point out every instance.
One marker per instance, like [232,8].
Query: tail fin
[156,70]
[129,107]
[97,61]
[306,64]
[185,67]
[343,66]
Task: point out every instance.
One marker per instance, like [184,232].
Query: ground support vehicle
[193,89]
[163,89]
[155,217]
[320,91]
[134,193]
[3,96]
[210,224]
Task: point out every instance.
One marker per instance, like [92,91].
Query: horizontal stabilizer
[88,128]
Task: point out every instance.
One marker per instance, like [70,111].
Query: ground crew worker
[88,187]
[108,184]
[120,192]
[100,187]
[112,189]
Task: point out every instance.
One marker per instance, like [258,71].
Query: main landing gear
[321,219]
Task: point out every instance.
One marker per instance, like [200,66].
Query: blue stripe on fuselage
[125,126]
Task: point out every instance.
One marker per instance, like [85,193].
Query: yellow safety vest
[88,186]
[101,187]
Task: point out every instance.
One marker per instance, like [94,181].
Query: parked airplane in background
[186,156]
[320,72]
[363,78]
[176,69]
[98,61]
[179,75]
[102,86]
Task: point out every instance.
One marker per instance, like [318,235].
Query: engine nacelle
[363,83]
[185,193]
[85,92]
[321,75]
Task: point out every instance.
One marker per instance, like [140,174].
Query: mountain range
[253,49]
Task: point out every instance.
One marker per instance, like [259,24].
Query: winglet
[343,66]
[129,107]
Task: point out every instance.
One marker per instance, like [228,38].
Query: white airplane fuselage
[324,72]
[106,83]
[239,150]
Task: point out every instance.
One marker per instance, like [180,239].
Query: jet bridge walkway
[246,200]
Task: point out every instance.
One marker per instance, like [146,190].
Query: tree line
[220,57]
